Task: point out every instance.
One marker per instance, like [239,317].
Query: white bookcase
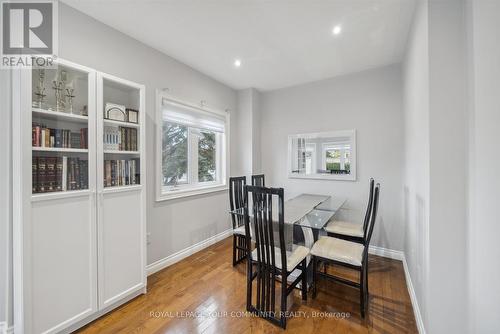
[81,245]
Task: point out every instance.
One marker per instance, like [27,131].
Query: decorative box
[115,112]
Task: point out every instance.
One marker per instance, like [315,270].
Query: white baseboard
[385,252]
[413,298]
[176,257]
[399,255]
[4,329]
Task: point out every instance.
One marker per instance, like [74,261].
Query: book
[84,172]
[58,135]
[47,137]
[59,173]
[41,174]
[75,140]
[34,175]
[64,181]
[50,173]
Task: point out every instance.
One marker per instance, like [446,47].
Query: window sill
[182,193]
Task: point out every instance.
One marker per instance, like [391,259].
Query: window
[192,150]
[336,158]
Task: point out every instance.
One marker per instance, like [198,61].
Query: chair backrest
[373,218]
[258,180]
[368,208]
[263,226]
[237,198]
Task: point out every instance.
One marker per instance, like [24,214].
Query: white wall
[436,158]
[371,103]
[448,167]
[416,174]
[484,198]
[177,224]
[5,199]
[246,144]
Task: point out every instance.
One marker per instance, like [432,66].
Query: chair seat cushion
[293,258]
[345,228]
[239,230]
[338,250]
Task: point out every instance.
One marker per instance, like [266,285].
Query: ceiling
[280,42]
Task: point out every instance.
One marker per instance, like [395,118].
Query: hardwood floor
[205,294]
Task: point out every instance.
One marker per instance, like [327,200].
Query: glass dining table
[305,216]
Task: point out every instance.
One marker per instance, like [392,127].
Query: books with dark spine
[50,173]
[77,174]
[58,135]
[84,174]
[75,140]
[34,175]
[41,174]
[59,173]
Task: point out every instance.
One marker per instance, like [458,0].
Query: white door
[121,190]
[121,268]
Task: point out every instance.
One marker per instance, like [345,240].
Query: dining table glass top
[307,210]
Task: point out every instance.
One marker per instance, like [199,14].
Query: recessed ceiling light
[336,30]
[237,63]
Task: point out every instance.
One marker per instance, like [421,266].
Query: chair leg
[284,286]
[315,276]
[249,284]
[367,295]
[362,291]
[366,277]
[234,250]
[304,279]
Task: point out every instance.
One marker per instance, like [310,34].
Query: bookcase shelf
[57,115]
[121,152]
[126,124]
[59,149]
[59,195]
[116,189]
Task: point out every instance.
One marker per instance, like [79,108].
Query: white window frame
[312,148]
[164,193]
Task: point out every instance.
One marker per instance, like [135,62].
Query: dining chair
[272,262]
[352,231]
[258,180]
[348,254]
[237,201]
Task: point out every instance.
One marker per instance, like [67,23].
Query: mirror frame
[340,133]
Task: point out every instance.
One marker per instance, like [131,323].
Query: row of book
[121,172]
[120,138]
[59,174]
[42,136]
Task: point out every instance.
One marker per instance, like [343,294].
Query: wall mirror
[323,155]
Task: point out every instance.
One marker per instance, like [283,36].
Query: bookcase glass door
[121,133]
[60,124]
